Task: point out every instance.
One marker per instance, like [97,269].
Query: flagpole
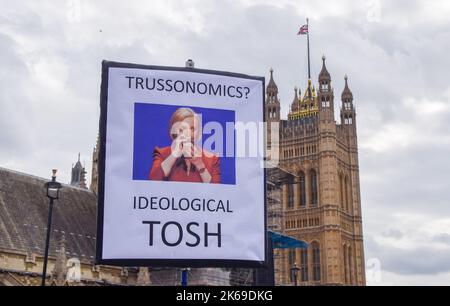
[309,62]
[309,69]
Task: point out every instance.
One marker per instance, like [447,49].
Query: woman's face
[190,128]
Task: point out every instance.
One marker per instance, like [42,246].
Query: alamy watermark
[373,14]
[74,11]
[242,140]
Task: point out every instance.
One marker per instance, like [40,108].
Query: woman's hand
[197,159]
[176,152]
[177,146]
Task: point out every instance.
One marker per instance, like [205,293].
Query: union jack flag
[303,30]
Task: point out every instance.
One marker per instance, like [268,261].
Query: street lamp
[294,271]
[53,188]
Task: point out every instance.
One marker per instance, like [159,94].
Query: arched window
[314,195]
[341,191]
[345,264]
[348,265]
[346,193]
[302,189]
[304,265]
[347,105]
[349,260]
[290,193]
[347,119]
[325,101]
[316,261]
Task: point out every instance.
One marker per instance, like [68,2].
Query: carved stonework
[143,277]
[322,208]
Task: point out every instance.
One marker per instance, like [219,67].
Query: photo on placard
[176,134]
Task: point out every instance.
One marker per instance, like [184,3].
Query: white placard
[208,214]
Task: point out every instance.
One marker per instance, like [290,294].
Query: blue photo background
[151,129]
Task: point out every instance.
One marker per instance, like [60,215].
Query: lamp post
[294,271]
[53,188]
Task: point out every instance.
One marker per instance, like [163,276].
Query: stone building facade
[320,196]
[23,225]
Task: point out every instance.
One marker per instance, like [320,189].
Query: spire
[272,87]
[347,94]
[94,171]
[295,102]
[78,177]
[324,75]
[271,111]
[348,114]
[309,91]
[307,106]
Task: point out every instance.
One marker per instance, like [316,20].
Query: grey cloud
[408,180]
[14,113]
[443,238]
[394,233]
[419,260]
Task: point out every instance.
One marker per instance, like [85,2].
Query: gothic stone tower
[94,172]
[78,177]
[321,198]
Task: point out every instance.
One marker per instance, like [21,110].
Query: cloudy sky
[395,53]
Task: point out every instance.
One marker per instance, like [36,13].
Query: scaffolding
[276,179]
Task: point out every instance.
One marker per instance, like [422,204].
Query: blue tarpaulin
[285,242]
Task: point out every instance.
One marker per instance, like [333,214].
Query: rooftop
[24,212]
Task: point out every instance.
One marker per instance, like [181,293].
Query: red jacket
[179,171]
